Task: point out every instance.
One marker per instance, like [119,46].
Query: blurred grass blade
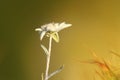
[42,76]
[45,49]
[115,53]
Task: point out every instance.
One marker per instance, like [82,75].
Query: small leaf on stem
[45,49]
[55,36]
[56,71]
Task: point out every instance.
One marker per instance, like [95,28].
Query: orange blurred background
[96,26]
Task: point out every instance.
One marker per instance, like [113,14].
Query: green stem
[48,59]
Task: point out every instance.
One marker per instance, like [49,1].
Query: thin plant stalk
[51,30]
[48,59]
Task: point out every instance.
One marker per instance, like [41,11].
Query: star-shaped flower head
[52,30]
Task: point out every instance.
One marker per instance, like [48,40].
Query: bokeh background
[96,26]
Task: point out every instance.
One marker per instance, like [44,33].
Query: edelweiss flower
[52,29]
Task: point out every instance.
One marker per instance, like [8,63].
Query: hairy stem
[48,59]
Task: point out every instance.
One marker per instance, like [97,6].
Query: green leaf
[55,36]
[56,71]
[45,49]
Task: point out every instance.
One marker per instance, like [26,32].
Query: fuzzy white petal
[42,34]
[51,27]
[38,29]
[63,26]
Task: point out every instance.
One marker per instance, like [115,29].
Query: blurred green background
[96,26]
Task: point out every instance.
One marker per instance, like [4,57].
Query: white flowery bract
[52,30]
